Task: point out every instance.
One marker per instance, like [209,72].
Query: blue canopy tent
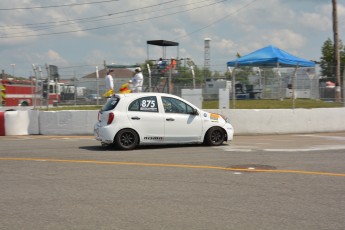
[269,56]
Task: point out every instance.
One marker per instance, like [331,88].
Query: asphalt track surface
[255,182]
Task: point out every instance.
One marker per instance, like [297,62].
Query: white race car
[129,120]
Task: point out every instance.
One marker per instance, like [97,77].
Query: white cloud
[54,57]
[316,21]
[10,35]
[234,26]
[223,45]
[285,39]
[95,56]
[341,15]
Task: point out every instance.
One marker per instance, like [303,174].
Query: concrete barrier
[245,122]
[17,123]
[68,122]
[20,122]
[284,121]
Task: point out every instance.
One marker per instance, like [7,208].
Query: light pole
[13,65]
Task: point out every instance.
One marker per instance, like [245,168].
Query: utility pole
[48,86]
[336,51]
[207,57]
[97,79]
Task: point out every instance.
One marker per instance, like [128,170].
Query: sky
[78,35]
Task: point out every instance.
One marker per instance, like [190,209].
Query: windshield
[110,104]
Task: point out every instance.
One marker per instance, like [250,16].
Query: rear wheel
[126,139]
[215,136]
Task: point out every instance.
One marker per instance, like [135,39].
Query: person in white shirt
[137,81]
[109,83]
[160,63]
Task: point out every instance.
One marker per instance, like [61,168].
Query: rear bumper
[103,133]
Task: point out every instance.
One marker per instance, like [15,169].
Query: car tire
[214,136]
[126,139]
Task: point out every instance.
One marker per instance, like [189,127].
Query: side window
[172,105]
[144,104]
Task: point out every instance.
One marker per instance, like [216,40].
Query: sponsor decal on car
[153,138]
[214,117]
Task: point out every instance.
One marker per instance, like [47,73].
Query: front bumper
[229,131]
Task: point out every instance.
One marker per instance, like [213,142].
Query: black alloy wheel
[126,139]
[215,136]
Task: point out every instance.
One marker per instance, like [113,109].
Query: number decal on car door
[148,103]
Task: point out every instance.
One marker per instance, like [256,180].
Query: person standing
[173,63]
[160,63]
[137,81]
[109,84]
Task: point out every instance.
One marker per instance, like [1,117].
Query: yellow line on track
[170,165]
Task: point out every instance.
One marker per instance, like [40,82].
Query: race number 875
[148,104]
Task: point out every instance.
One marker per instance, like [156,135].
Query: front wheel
[214,136]
[126,139]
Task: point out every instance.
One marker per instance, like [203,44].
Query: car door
[180,124]
[146,119]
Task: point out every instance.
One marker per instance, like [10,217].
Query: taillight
[110,118]
[99,116]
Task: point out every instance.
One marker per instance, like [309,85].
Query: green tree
[185,76]
[327,62]
[217,75]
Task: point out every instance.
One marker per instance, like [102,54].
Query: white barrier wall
[21,122]
[68,122]
[245,122]
[283,121]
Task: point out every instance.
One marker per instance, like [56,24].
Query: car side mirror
[194,112]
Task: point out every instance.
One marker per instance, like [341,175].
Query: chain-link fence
[250,84]
[303,83]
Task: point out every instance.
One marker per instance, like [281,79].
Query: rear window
[110,104]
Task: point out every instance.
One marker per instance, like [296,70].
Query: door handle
[170,119]
[135,118]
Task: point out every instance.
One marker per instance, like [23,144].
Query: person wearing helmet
[137,81]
